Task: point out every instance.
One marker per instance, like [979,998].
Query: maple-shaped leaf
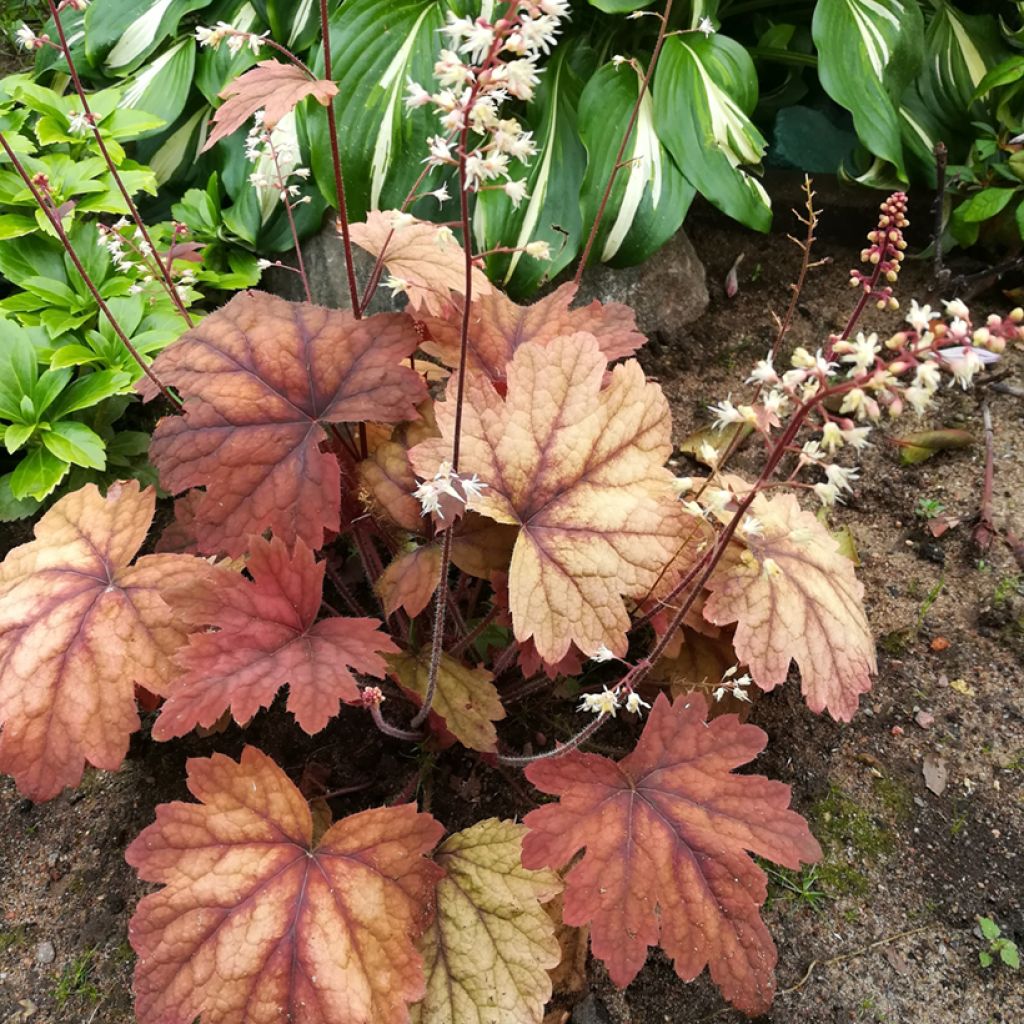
[80,626]
[466,700]
[267,635]
[580,469]
[498,326]
[666,832]
[271,86]
[409,581]
[261,376]
[486,954]
[794,596]
[258,924]
[424,260]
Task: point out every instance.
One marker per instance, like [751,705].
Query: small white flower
[473,487]
[764,372]
[752,527]
[682,485]
[27,39]
[857,437]
[516,191]
[264,264]
[634,704]
[440,194]
[618,60]
[832,437]
[841,477]
[919,317]
[602,654]
[957,308]
[863,353]
[538,250]
[705,26]
[396,284]
[918,398]
[415,95]
[604,703]
[440,150]
[965,362]
[477,41]
[79,123]
[725,413]
[828,494]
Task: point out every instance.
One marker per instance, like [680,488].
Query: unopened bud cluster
[885,253]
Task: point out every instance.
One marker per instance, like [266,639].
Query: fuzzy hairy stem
[165,273]
[521,760]
[437,636]
[47,207]
[286,200]
[393,730]
[627,135]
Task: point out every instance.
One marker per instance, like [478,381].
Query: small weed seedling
[999,947]
[929,508]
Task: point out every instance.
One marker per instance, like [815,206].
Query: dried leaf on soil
[266,636]
[489,948]
[666,832]
[794,596]
[936,774]
[466,699]
[272,87]
[80,626]
[260,377]
[579,468]
[498,327]
[256,924]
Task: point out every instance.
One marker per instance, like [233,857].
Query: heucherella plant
[415,520]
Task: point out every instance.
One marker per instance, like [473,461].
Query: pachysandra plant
[412,520]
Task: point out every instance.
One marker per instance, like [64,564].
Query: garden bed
[883,930]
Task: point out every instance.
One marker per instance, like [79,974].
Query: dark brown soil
[891,937]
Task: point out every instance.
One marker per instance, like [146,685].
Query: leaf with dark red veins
[261,376]
[257,924]
[497,327]
[273,87]
[666,832]
[794,596]
[266,636]
[579,468]
[80,626]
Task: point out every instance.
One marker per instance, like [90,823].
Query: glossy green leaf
[650,196]
[37,475]
[16,435]
[12,508]
[295,23]
[14,225]
[868,51]
[180,148]
[122,33]
[161,87]
[704,91]
[551,211]
[89,390]
[989,929]
[76,443]
[986,203]
[1005,73]
[19,369]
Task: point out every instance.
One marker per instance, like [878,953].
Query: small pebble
[925,719]
[45,953]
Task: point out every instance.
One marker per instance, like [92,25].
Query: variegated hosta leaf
[122,33]
[177,152]
[704,92]
[551,213]
[486,954]
[376,47]
[295,23]
[217,67]
[650,197]
[868,52]
[162,86]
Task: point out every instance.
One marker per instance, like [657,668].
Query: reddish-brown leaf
[424,261]
[79,627]
[497,327]
[410,580]
[271,86]
[267,635]
[794,595]
[666,832]
[579,468]
[257,924]
[388,481]
[261,376]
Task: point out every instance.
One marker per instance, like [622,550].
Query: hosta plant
[412,521]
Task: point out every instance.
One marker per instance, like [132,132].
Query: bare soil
[883,931]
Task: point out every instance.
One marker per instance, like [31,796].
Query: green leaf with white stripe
[375,48]
[704,92]
[50,58]
[120,34]
[295,23]
[551,211]
[162,86]
[174,155]
[216,68]
[650,196]
[868,52]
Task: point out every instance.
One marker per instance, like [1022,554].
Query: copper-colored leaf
[666,832]
[698,667]
[481,546]
[487,953]
[79,627]
[267,635]
[410,580]
[257,925]
[424,261]
[261,376]
[388,482]
[497,327]
[580,469]
[466,699]
[271,86]
[794,596]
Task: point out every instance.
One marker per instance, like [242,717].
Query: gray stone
[590,1011]
[667,292]
[45,953]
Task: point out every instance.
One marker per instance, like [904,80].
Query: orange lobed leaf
[271,86]
[409,581]
[80,626]
[261,376]
[426,261]
[257,924]
[794,596]
[497,327]
[267,635]
[666,832]
[579,468]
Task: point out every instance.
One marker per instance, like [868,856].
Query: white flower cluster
[608,702]
[446,482]
[235,39]
[132,255]
[276,157]
[733,684]
[484,65]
